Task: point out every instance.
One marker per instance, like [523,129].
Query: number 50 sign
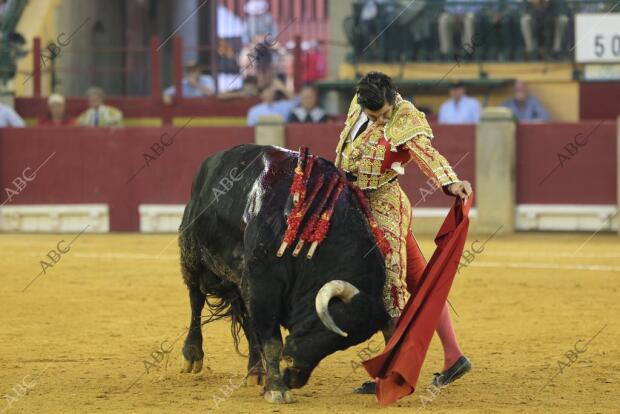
[597,38]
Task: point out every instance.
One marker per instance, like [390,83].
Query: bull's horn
[333,289]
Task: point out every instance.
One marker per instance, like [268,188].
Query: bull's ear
[361,317]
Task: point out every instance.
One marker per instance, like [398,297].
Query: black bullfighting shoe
[369,387]
[461,367]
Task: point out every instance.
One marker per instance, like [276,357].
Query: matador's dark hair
[374,90]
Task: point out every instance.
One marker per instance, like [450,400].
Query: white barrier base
[566,217]
[160,218]
[55,218]
[437,212]
[166,218]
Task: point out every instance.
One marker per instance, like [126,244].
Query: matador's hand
[461,189]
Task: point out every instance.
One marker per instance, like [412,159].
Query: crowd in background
[98,113]
[277,100]
[266,71]
[463,109]
[475,30]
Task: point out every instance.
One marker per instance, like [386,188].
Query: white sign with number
[597,38]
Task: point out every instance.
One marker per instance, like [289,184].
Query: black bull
[231,230]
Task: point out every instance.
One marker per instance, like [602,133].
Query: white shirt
[358,124]
[10,118]
[466,111]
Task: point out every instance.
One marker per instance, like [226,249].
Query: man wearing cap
[56,116]
[194,84]
[460,108]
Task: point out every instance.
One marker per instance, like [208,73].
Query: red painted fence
[564,163]
[88,165]
[97,165]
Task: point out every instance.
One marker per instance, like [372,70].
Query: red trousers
[415,263]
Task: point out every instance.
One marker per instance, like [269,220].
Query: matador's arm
[430,161]
[410,137]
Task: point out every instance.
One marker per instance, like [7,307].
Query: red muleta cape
[398,367]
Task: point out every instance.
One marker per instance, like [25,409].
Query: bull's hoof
[193,367]
[279,397]
[254,379]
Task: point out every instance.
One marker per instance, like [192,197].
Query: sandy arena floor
[537,314]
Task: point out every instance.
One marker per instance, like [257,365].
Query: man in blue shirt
[525,107]
[276,100]
[460,108]
[10,118]
[194,84]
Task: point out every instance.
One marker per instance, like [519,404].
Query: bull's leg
[264,314]
[275,390]
[192,349]
[256,370]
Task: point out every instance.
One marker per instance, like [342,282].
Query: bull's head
[350,316]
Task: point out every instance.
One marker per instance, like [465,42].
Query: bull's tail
[228,304]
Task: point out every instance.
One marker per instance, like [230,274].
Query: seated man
[460,108]
[10,118]
[99,115]
[276,100]
[56,116]
[500,35]
[461,16]
[525,107]
[308,111]
[194,84]
[544,23]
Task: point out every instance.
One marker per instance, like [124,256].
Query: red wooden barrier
[92,165]
[599,100]
[567,163]
[97,165]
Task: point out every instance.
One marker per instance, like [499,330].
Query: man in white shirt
[10,118]
[460,108]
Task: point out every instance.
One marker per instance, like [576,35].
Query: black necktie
[362,129]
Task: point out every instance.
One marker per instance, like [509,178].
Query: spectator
[259,21]
[314,62]
[461,15]
[544,23]
[500,30]
[56,115]
[308,111]
[194,84]
[98,114]
[263,58]
[525,107]
[10,118]
[275,101]
[460,108]
[249,89]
